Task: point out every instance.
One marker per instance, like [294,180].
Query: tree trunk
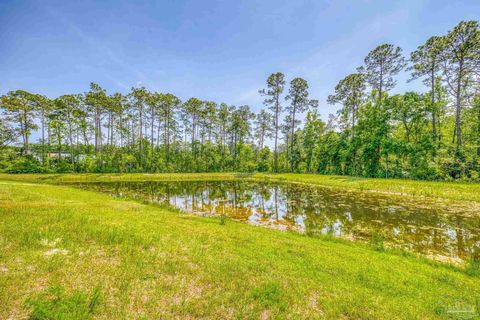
[25,128]
[458,106]
[22,130]
[354,113]
[141,133]
[43,136]
[386,165]
[380,87]
[109,128]
[70,139]
[434,114]
[152,127]
[98,132]
[112,120]
[166,138]
[275,155]
[292,142]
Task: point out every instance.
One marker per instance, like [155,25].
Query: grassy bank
[63,249]
[455,191]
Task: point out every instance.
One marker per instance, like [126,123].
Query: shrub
[25,164]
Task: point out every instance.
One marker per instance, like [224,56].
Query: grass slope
[77,254]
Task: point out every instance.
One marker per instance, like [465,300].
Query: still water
[414,226]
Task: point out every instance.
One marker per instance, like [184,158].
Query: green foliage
[381,65]
[24,164]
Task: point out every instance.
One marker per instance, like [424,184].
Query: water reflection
[427,229]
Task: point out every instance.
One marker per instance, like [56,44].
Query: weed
[268,295]
[223,219]
[473,265]
[55,303]
[377,241]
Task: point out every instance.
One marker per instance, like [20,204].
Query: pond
[417,226]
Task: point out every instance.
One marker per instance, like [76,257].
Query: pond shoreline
[450,192]
[435,229]
[453,196]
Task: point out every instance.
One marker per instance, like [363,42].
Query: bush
[25,164]
[427,171]
[63,167]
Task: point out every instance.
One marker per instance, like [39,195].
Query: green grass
[74,254]
[457,191]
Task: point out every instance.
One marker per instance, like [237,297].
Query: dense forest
[423,135]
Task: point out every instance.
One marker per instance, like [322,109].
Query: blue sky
[215,50]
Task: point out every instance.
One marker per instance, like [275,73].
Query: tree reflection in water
[428,229]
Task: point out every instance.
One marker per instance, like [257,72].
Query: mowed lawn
[72,254]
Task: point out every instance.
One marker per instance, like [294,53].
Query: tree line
[425,135]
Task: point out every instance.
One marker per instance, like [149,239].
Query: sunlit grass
[64,248]
[446,190]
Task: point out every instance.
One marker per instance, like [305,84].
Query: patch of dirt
[50,243]
[266,314]
[55,251]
